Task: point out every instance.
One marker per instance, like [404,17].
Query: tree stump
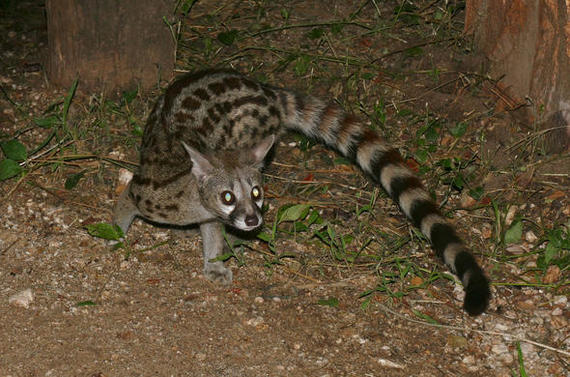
[528,41]
[109,44]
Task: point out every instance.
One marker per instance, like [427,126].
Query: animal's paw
[218,273]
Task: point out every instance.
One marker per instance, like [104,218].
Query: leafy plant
[105,231]
[557,250]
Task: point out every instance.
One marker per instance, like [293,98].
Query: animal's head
[230,183]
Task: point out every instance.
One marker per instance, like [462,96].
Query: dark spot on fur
[249,83]
[382,159]
[246,100]
[191,103]
[217,88]
[202,94]
[401,184]
[212,115]
[269,93]
[171,207]
[227,106]
[159,184]
[232,82]
[421,209]
[181,117]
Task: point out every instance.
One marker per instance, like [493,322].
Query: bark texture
[109,44]
[528,41]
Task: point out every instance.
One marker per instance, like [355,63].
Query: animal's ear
[259,152]
[201,166]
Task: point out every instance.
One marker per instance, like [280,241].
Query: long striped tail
[329,124]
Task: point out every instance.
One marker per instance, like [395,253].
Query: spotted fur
[222,116]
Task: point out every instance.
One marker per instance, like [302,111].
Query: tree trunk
[528,41]
[109,44]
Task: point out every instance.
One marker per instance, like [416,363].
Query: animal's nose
[251,220]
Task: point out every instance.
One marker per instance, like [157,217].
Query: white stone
[560,300]
[390,364]
[22,299]
[530,236]
[557,311]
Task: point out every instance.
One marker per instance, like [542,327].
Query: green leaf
[458,181]
[130,95]
[459,129]
[414,51]
[332,302]
[337,28]
[432,134]
[314,218]
[477,192]
[366,303]
[405,113]
[73,180]
[222,258]
[8,169]
[47,122]
[421,155]
[342,161]
[514,233]
[425,317]
[86,303]
[186,6]
[106,231]
[228,37]
[264,236]
[68,99]
[300,227]
[446,163]
[302,65]
[316,33]
[294,213]
[14,150]
[550,252]
[522,370]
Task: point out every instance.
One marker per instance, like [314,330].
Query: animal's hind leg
[125,210]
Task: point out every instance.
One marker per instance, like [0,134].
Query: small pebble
[22,299]
[530,236]
[390,364]
[510,215]
[560,300]
[557,311]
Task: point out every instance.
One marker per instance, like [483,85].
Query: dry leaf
[552,275]
[556,195]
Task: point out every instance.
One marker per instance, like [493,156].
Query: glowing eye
[228,198]
[255,193]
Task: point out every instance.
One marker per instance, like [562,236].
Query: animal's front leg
[214,245]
